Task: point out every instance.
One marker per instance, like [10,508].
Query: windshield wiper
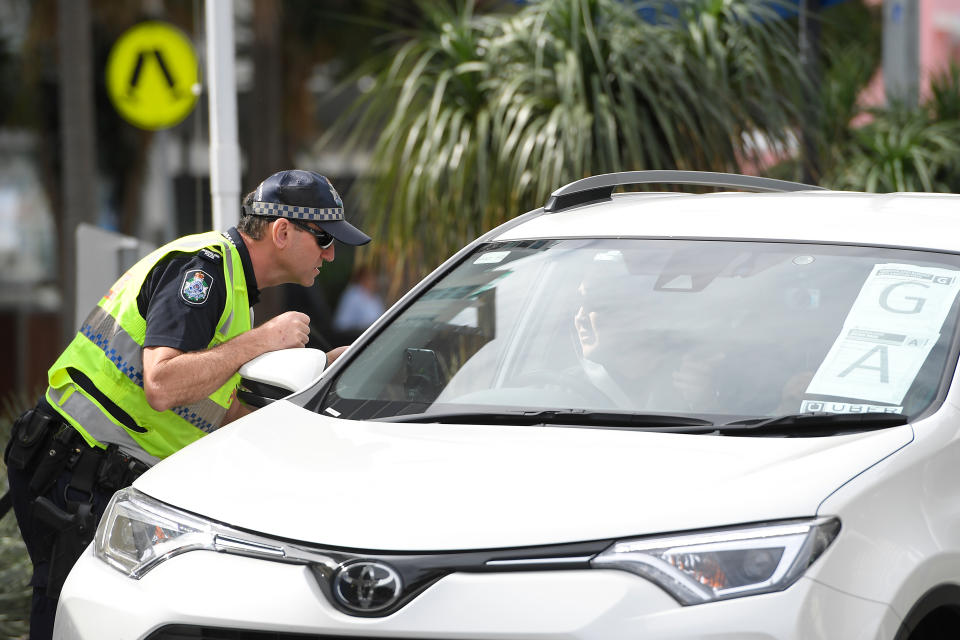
[562,417]
[813,424]
[797,424]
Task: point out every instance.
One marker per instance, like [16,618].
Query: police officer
[154,367]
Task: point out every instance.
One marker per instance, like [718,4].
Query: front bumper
[208,590]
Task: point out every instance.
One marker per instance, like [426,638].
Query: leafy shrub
[15,567]
[901,150]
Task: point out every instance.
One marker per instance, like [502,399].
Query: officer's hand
[333,354]
[286,331]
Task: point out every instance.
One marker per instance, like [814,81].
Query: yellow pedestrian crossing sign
[152,75]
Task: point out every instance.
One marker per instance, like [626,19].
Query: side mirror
[277,374]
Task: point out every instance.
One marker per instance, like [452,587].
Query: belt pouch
[113,470]
[27,438]
[118,470]
[53,461]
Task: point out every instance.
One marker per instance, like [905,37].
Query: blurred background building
[68,158]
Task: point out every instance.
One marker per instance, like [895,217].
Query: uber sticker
[818,406]
[196,286]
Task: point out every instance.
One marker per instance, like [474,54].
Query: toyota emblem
[366,585]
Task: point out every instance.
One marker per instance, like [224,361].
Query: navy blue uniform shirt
[179,313]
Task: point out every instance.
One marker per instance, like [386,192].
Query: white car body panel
[595,605]
[340,472]
[898,511]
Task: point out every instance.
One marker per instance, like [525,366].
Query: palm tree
[477,117]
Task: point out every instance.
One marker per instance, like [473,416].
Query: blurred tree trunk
[77,131]
[809,45]
[266,153]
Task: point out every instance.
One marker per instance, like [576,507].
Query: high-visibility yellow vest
[108,350]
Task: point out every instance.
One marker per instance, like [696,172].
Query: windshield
[715,329]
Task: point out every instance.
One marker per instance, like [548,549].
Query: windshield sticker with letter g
[888,333]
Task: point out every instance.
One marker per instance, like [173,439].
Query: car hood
[290,473]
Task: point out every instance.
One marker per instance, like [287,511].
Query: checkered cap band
[300,213]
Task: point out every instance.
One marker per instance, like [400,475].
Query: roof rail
[599,188]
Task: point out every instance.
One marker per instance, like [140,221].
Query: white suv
[621,416]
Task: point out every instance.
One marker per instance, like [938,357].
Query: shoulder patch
[212,256]
[196,286]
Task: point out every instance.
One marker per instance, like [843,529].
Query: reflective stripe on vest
[86,411]
[124,352]
[105,339]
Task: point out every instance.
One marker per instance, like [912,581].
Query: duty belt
[43,441]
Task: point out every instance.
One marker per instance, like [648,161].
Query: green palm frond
[840,90]
[900,150]
[945,94]
[478,117]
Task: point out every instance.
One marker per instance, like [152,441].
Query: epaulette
[212,256]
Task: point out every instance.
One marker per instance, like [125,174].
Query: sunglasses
[324,239]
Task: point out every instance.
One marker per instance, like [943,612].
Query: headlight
[730,563]
[137,533]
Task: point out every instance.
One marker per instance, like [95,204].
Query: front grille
[190,632]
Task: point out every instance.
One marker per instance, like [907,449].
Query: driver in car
[637,366]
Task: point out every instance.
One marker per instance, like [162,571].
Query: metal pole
[78,145]
[901,52]
[224,148]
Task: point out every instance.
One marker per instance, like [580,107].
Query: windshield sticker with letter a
[888,333]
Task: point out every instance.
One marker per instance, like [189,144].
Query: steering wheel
[581,391]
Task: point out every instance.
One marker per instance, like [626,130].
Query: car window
[718,328]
